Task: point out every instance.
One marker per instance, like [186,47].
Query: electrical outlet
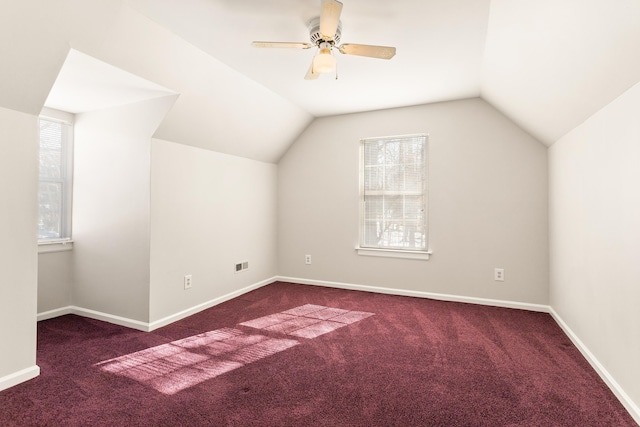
[307,259]
[187,281]
[498,274]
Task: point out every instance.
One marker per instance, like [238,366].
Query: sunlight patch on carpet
[170,368]
[178,365]
[307,321]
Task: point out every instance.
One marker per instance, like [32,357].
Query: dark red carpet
[295,355]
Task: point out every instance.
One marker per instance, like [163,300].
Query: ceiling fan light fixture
[324,62]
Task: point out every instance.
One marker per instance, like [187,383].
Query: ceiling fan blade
[381,52]
[286,45]
[311,75]
[330,18]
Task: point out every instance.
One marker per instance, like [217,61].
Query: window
[393,196]
[54,191]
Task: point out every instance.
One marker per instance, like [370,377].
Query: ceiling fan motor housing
[316,37]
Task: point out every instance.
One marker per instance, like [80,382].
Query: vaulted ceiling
[546,64]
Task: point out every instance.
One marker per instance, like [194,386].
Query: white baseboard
[111,318]
[55,313]
[409,293]
[622,396]
[19,377]
[144,326]
[93,314]
[208,304]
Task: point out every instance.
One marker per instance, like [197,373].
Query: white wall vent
[241,266]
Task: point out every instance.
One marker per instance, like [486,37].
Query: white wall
[487,204]
[111,208]
[55,281]
[208,212]
[595,232]
[18,248]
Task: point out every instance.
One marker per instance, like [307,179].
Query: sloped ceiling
[551,64]
[439,48]
[35,37]
[86,84]
[546,64]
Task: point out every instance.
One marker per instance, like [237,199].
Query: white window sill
[45,246]
[394,253]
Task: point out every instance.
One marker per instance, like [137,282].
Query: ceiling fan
[324,32]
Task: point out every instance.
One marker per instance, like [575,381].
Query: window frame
[65,242]
[393,252]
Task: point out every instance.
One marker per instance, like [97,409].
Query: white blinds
[393,193]
[54,186]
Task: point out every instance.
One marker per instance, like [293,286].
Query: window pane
[51,150]
[394,197]
[373,220]
[374,176]
[50,210]
[54,192]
